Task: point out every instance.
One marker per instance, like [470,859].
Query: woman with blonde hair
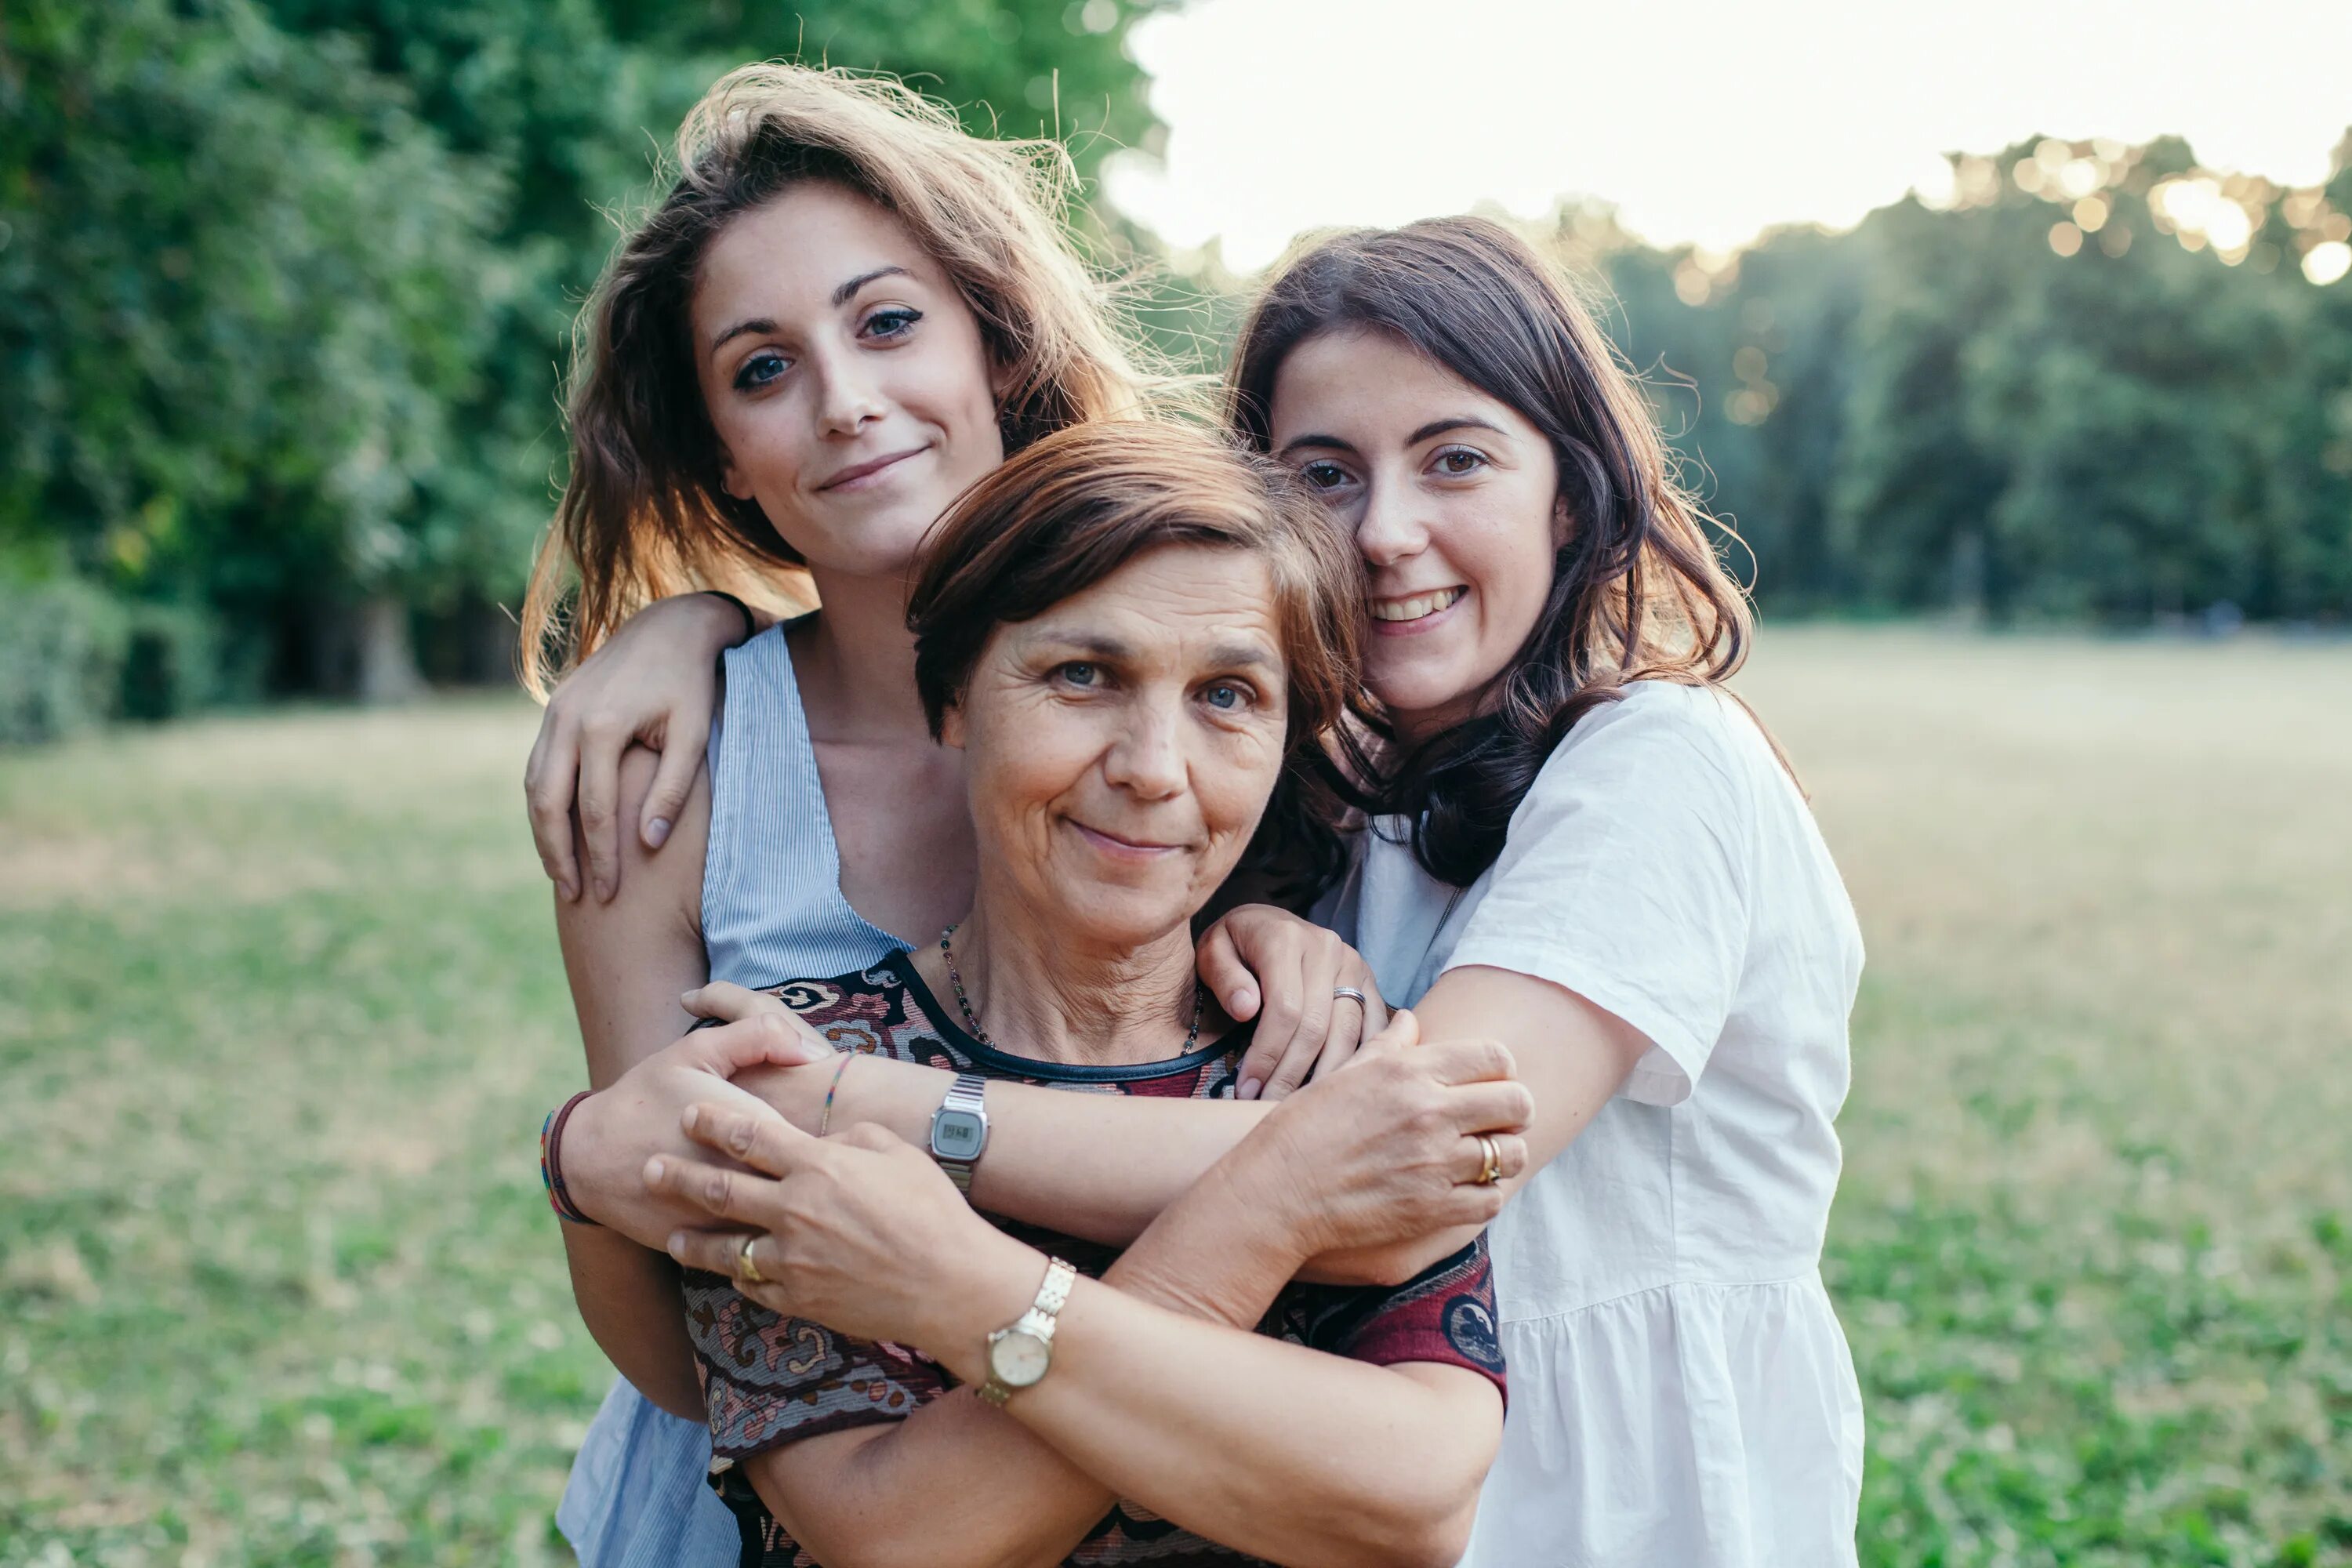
[843,312]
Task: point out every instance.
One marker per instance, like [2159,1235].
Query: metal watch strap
[1039,1320]
[968,1092]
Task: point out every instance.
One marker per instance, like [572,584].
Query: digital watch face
[958,1134]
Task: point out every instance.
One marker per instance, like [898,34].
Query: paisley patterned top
[769,1380]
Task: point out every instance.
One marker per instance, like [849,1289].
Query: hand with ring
[1405,1143]
[1312,996]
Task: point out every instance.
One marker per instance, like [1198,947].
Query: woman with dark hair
[1131,632]
[1578,843]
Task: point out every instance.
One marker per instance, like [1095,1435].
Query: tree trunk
[387,659]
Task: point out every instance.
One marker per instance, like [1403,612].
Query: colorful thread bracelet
[824,1119]
[550,1161]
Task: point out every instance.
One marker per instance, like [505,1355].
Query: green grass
[280,1009]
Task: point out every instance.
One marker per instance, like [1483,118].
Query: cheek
[1242,769]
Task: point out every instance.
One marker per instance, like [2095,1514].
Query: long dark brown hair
[1637,592]
[645,512]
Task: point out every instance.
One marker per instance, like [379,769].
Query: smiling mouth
[1416,606]
[850,475]
[1112,843]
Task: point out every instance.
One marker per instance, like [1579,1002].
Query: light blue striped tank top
[773,909]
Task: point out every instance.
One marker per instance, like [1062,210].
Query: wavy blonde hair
[644,512]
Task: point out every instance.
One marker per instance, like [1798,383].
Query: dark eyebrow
[1440,426]
[848,291]
[756,324]
[1242,656]
[1332,443]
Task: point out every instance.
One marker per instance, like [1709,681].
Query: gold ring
[1490,1168]
[745,1269]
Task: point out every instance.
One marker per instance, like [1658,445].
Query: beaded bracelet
[550,1161]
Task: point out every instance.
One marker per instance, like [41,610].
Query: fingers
[779,1039]
[721,1252]
[1467,1061]
[600,787]
[684,738]
[744,1195]
[725,1000]
[1228,979]
[1402,1032]
[1317,1005]
[547,785]
[1491,1105]
[759,1138]
[1511,1157]
[1348,1018]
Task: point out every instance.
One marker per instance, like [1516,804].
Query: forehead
[1366,387]
[786,256]
[1175,601]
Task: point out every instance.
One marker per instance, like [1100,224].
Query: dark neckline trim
[1232,1039]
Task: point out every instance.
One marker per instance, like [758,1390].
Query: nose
[1146,759]
[1390,530]
[847,398]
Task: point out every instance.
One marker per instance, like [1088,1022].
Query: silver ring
[1350,993]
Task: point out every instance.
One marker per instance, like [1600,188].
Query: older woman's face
[1120,748]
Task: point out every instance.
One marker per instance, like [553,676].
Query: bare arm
[1266,1447]
[628,961]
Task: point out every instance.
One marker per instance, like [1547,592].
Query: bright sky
[1704,122]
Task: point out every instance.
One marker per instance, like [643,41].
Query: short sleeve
[769,1380]
[1445,1315]
[1625,877]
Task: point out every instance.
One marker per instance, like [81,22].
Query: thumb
[681,759]
[1402,1031]
[728,1002]
[771,1039]
[1226,976]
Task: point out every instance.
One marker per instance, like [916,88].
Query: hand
[1266,963]
[1388,1151]
[652,684]
[860,1232]
[613,1131]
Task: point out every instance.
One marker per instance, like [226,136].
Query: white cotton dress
[1681,1393]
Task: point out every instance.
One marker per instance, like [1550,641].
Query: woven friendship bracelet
[550,1161]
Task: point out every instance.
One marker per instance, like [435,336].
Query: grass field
[280,1010]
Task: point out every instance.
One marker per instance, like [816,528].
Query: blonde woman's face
[1452,499]
[846,377]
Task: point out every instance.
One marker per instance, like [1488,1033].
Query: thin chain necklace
[971,1019]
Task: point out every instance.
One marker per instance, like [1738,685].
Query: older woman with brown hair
[1135,634]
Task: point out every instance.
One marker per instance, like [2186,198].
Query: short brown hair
[646,510]
[1074,508]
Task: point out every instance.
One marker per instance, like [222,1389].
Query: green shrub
[62,646]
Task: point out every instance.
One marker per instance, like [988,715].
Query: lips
[1126,849]
[1416,606]
[857,471]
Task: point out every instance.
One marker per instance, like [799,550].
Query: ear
[951,726]
[730,478]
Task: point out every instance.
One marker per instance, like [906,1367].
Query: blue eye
[893,323]
[760,369]
[1225,697]
[1078,674]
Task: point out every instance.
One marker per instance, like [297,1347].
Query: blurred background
[2015,341]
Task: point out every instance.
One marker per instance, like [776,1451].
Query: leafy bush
[62,646]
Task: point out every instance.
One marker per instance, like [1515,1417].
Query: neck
[859,649]
[1056,1001]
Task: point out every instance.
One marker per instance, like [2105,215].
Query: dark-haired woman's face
[846,377]
[1451,497]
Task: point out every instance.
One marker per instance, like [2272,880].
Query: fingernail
[570,890]
[654,1168]
[677,1242]
[692,1119]
[1248,1090]
[656,832]
[603,891]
